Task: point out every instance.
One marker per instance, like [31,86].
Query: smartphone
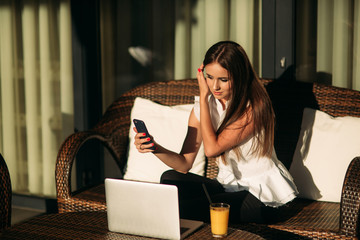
[141,128]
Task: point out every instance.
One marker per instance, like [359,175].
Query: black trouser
[193,203]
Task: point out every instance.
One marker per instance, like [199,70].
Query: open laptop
[146,209]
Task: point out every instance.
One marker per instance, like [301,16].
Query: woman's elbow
[185,168]
[211,153]
[183,171]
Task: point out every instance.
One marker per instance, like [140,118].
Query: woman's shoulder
[197,105]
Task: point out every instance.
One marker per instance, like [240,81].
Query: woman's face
[217,79]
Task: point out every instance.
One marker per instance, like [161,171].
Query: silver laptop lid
[145,209]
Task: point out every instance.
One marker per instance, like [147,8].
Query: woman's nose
[216,85]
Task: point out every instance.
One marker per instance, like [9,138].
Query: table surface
[91,225]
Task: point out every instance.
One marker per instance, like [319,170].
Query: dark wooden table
[91,225]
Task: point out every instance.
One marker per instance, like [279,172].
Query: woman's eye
[224,80]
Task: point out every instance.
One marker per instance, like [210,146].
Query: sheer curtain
[200,23]
[338,41]
[36,90]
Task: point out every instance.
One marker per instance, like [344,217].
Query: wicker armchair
[5,196]
[113,132]
[304,218]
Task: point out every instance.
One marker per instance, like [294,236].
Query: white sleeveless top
[265,178]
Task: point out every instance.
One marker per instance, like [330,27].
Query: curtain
[36,90]
[338,41]
[200,24]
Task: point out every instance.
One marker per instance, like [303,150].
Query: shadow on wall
[289,98]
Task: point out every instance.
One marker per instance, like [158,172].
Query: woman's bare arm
[183,161]
[233,135]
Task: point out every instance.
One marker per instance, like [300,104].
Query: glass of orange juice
[219,218]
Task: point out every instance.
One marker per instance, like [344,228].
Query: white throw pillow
[168,125]
[325,148]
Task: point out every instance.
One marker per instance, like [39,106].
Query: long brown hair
[249,97]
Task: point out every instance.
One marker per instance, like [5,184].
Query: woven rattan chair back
[289,98]
[5,195]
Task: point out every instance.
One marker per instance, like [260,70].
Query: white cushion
[168,126]
[325,148]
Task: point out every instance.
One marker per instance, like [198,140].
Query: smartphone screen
[141,128]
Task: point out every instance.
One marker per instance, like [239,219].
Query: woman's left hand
[203,87]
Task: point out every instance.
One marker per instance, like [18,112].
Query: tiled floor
[20,214]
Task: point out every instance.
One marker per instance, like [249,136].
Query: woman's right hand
[203,87]
[141,143]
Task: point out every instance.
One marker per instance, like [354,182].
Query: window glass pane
[327,44]
[144,41]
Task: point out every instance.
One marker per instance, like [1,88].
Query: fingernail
[199,70]
[144,134]
[148,139]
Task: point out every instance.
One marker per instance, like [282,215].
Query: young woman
[234,119]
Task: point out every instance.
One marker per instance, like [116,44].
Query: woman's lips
[217,93]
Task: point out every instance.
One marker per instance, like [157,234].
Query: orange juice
[219,218]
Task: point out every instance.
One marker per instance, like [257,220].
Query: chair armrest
[5,195]
[350,200]
[66,157]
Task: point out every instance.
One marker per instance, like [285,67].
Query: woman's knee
[169,175]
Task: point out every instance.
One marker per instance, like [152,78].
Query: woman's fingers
[204,88]
[142,144]
[146,147]
[200,75]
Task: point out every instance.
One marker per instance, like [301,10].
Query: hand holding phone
[141,128]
